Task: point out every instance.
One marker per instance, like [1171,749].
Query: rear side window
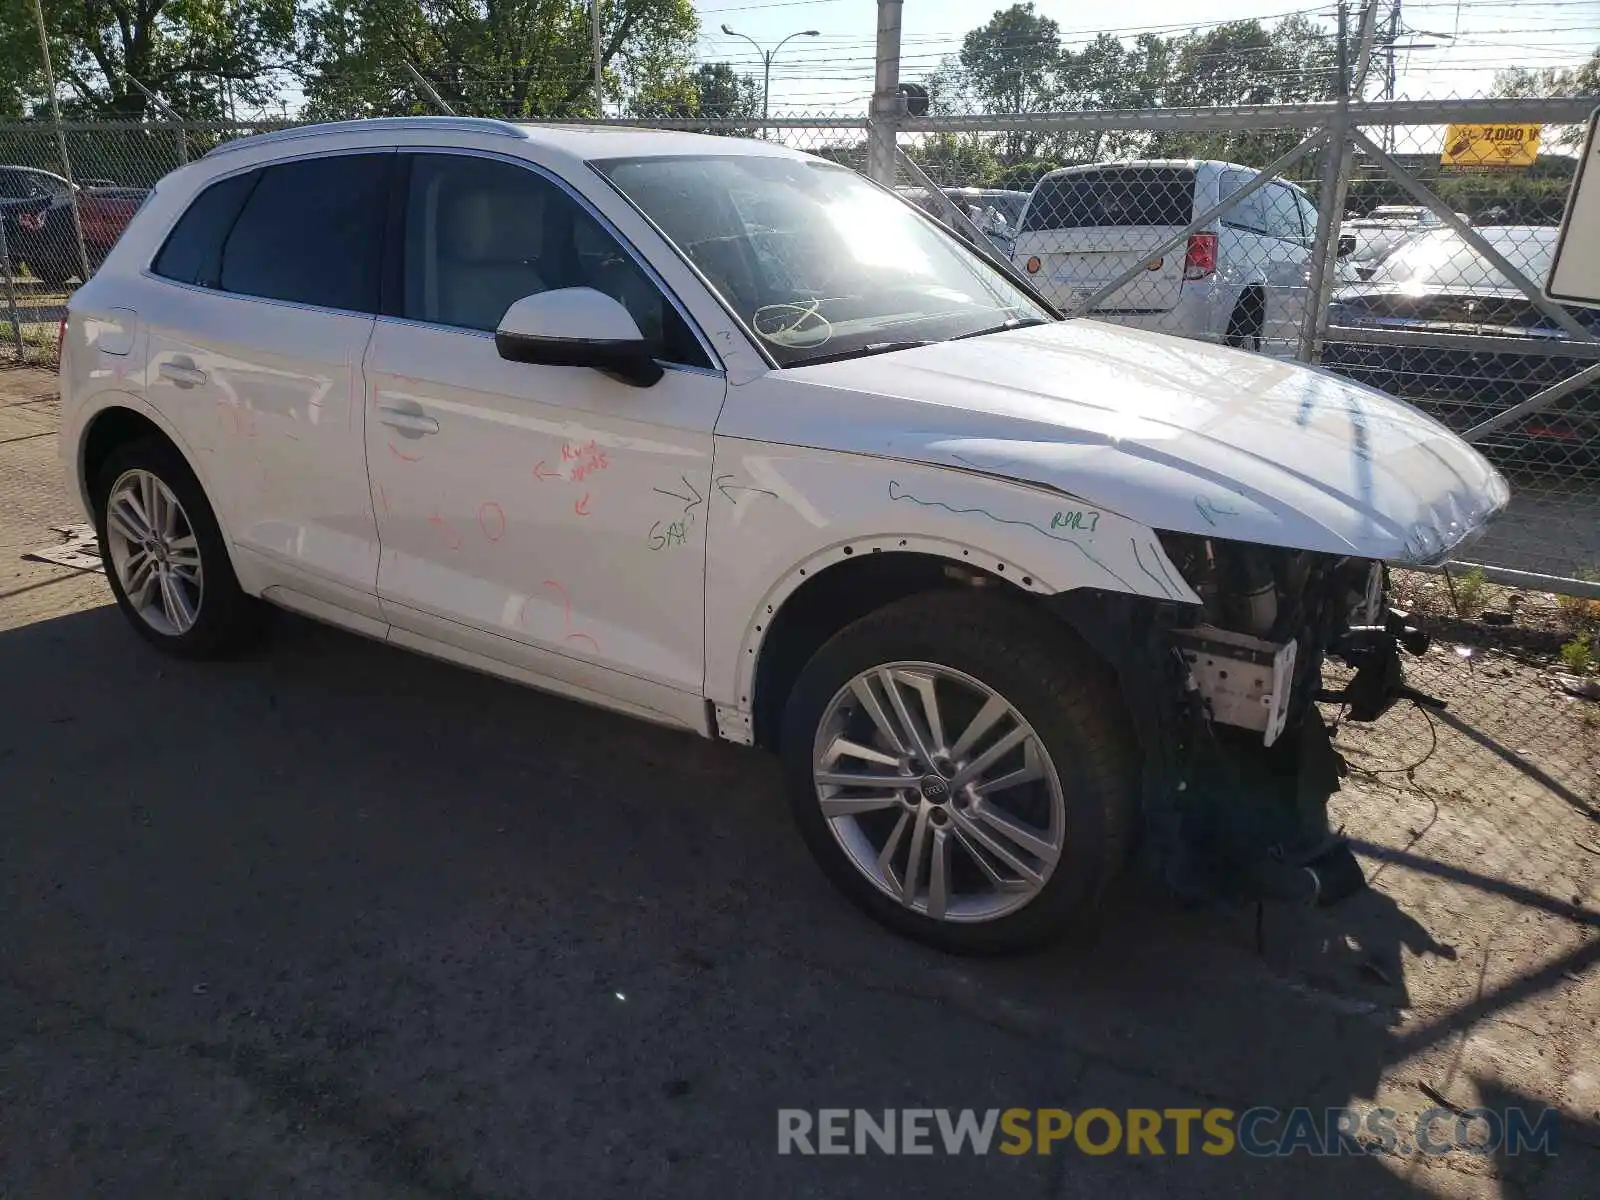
[1112,197]
[193,250]
[312,232]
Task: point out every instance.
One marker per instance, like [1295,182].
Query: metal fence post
[1335,185]
[61,137]
[11,292]
[886,100]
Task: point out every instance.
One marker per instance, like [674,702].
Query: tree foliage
[198,55]
[505,58]
[1582,80]
[712,90]
[1014,63]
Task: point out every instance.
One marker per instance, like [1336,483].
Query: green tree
[1582,80]
[1246,62]
[506,58]
[711,90]
[199,55]
[723,92]
[1107,74]
[1009,65]
[955,159]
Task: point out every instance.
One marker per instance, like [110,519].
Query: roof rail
[399,124]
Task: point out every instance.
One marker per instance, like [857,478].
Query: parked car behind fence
[36,207]
[1241,279]
[1435,283]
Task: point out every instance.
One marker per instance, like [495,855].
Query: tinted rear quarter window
[1115,197]
[192,252]
[312,232]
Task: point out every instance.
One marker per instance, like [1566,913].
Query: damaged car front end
[1238,763]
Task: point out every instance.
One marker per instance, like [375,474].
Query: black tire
[1060,688]
[227,619]
[1245,322]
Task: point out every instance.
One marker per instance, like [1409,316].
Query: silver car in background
[1241,279]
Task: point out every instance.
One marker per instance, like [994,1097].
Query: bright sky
[833,72]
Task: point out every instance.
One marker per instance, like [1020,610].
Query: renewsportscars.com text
[1258,1132]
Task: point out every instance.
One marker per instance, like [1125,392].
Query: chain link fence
[1263,228]
[1207,225]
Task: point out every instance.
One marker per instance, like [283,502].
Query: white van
[1240,280]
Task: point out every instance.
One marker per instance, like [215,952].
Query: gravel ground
[336,920]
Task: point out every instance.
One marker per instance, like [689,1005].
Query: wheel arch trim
[107,401]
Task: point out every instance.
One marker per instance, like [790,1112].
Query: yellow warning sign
[1490,146]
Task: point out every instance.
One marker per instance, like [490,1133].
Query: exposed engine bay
[1239,764]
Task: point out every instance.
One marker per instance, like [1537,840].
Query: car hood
[1175,434]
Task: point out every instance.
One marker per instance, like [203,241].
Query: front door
[550,519]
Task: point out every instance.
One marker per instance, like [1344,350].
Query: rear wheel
[165,558]
[1244,324]
[959,767]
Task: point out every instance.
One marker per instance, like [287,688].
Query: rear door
[1265,248]
[1088,227]
[256,345]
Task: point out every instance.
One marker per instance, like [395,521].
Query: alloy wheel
[154,553]
[939,791]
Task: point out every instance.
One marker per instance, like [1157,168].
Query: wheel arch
[838,586]
[119,421]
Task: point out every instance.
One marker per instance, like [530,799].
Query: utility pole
[1335,179]
[599,69]
[1389,72]
[886,98]
[61,137]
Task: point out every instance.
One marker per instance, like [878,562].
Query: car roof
[1190,164]
[580,143]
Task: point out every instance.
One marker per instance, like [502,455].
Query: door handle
[409,421]
[184,376]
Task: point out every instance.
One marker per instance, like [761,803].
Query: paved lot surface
[336,920]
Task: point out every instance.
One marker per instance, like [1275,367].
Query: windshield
[816,261]
[1442,260]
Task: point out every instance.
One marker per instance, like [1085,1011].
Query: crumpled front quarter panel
[782,514]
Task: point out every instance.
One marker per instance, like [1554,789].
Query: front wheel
[960,767]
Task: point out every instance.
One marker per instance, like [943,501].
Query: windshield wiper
[1013,323]
[864,351]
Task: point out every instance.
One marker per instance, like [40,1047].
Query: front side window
[1281,212]
[817,262]
[1308,213]
[311,231]
[482,234]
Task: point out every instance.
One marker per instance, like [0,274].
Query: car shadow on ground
[339,918]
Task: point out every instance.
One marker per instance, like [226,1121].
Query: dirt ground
[339,920]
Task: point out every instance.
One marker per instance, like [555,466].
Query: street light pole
[766,61]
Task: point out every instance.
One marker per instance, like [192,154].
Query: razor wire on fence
[1207,224]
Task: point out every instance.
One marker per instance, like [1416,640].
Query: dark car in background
[995,211]
[1434,283]
[36,207]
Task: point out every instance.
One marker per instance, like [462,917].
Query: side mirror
[577,327]
[1347,245]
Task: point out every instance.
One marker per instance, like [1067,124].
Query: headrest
[501,227]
